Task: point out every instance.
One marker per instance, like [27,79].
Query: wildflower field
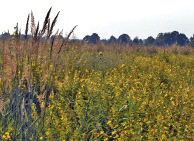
[59,91]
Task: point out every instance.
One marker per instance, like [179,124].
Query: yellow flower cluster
[133,95]
[6,136]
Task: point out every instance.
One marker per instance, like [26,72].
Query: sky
[142,18]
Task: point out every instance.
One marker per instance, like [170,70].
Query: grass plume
[33,26]
[66,40]
[26,31]
[53,24]
[46,21]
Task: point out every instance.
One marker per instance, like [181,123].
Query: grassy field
[58,91]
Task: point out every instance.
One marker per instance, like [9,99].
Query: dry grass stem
[61,33]
[45,22]
[53,24]
[26,31]
[36,33]
[48,29]
[66,40]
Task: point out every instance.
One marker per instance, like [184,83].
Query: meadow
[79,91]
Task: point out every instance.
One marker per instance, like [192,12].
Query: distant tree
[140,41]
[94,38]
[87,38]
[28,37]
[159,40]
[5,35]
[149,41]
[58,37]
[182,39]
[192,41]
[112,40]
[171,38]
[137,41]
[104,41]
[124,39]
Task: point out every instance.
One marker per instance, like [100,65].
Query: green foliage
[133,95]
[87,92]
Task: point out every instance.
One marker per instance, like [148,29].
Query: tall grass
[27,74]
[60,91]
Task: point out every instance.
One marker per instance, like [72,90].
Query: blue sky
[140,18]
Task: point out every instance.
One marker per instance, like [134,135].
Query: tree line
[162,39]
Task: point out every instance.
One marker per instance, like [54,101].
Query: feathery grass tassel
[26,31]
